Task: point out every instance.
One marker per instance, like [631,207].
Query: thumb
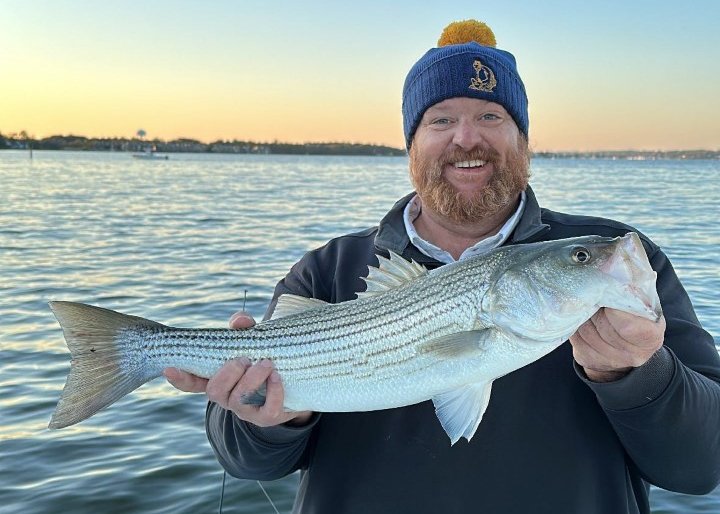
[241,319]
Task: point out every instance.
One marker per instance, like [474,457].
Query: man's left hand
[611,343]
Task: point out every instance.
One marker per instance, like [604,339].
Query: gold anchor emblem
[484,79]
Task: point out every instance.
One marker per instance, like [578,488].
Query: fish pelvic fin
[104,367]
[461,410]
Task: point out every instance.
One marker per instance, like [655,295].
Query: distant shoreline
[81,143]
[634,155]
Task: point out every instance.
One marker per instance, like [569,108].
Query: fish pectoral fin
[288,304]
[459,344]
[461,410]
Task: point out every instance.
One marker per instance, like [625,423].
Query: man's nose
[467,135]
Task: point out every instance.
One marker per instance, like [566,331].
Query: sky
[600,75]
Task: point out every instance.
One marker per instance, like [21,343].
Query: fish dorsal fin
[288,304]
[391,273]
[461,410]
[459,344]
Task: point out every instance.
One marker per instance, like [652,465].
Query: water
[179,241]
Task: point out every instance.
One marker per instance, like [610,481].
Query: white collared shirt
[412,211]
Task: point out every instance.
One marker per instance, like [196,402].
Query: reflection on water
[179,241]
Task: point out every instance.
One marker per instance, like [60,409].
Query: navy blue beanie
[467,69]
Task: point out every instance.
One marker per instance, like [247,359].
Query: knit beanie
[467,64]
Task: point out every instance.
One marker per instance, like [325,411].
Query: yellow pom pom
[460,32]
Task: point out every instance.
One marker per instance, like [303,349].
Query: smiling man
[585,429]
[470,167]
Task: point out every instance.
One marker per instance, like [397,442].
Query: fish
[413,335]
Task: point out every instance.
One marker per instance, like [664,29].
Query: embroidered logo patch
[484,79]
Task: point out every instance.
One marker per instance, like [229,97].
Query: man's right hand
[237,379]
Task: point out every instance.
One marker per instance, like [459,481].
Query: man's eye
[441,121]
[490,116]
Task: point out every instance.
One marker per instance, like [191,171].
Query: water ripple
[180,242]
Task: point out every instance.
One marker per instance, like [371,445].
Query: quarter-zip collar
[392,236]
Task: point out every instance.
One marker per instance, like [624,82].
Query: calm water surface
[179,241]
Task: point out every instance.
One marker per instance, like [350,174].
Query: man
[583,430]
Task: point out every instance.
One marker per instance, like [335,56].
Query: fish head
[630,268]
[545,291]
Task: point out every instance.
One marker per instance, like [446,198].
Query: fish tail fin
[105,365]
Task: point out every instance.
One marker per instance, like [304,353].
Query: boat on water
[149,154]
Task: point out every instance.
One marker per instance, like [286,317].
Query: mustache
[479,154]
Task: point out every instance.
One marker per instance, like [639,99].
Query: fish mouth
[630,266]
[651,303]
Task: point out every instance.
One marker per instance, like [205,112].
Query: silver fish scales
[413,335]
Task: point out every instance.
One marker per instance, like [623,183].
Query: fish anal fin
[461,410]
[288,304]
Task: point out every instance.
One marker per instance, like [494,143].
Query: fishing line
[222,490]
[268,497]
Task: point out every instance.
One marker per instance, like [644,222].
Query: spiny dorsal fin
[288,304]
[392,273]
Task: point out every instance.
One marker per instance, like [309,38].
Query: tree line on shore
[81,143]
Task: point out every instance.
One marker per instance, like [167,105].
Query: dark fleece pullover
[550,441]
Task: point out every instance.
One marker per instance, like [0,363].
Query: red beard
[506,183]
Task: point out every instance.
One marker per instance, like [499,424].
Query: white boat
[149,154]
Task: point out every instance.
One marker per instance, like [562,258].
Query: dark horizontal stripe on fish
[389,345]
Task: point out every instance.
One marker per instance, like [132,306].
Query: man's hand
[237,379]
[613,342]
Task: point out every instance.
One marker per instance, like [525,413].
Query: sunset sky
[615,74]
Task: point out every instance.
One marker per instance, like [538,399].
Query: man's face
[468,159]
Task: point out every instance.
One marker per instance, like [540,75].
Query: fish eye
[580,254]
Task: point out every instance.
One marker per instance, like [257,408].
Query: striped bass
[413,335]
